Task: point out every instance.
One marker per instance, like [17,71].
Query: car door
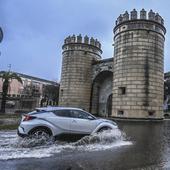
[80,122]
[61,119]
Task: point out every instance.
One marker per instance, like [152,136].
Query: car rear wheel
[41,133]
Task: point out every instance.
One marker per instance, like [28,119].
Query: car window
[62,113]
[79,114]
[36,112]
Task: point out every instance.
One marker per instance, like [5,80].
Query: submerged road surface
[136,146]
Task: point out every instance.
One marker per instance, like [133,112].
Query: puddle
[14,147]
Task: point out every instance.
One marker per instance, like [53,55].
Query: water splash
[102,141]
[13,147]
[104,137]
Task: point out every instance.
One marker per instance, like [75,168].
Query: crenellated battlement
[143,15]
[84,40]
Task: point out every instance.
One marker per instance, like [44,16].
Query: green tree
[6,78]
[50,93]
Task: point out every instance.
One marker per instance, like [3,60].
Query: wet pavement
[138,145]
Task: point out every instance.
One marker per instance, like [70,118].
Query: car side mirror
[90,118]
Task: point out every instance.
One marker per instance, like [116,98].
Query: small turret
[142,14]
[162,21]
[67,40]
[86,39]
[92,42]
[97,43]
[126,16]
[73,39]
[119,19]
[151,15]
[134,14]
[79,38]
[158,18]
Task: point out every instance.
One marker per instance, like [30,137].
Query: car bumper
[20,132]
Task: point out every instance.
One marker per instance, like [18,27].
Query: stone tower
[78,55]
[138,65]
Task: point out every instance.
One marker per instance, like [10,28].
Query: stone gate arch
[101,94]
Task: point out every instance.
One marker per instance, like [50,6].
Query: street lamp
[1,34]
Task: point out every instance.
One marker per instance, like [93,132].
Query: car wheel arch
[103,128]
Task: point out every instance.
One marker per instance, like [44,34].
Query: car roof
[51,108]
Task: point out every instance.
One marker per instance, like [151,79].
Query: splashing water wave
[13,147]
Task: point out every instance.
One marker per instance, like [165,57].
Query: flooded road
[136,146]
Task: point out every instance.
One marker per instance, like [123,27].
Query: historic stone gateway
[129,85]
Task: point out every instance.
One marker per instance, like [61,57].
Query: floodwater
[137,145]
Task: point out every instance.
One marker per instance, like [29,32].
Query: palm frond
[15,76]
[10,75]
[4,75]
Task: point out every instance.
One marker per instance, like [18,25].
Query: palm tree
[6,78]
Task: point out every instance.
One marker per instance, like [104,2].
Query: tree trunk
[4,95]
[3,103]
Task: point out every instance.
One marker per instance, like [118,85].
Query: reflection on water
[12,147]
[150,143]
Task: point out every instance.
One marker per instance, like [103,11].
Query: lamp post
[1,34]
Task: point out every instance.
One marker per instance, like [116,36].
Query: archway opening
[101,90]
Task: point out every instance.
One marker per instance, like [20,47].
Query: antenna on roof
[9,67]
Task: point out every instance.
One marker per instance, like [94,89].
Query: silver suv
[55,121]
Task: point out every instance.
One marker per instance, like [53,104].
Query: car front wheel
[104,129]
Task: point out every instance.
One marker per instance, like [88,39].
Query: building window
[122,90]
[151,113]
[61,92]
[120,112]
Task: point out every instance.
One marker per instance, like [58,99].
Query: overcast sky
[34,30]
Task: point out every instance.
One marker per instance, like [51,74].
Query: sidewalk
[9,122]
